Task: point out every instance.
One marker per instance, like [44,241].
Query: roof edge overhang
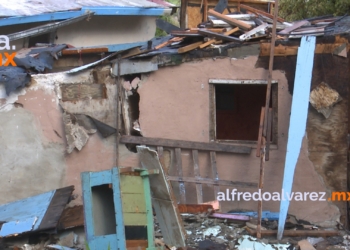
[99,11]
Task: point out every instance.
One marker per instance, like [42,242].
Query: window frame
[212,110]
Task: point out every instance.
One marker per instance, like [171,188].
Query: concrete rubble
[204,232]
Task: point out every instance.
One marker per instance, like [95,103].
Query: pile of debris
[214,230]
[250,26]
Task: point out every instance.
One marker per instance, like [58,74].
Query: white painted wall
[103,30]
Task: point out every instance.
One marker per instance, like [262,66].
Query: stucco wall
[174,104]
[98,30]
[101,30]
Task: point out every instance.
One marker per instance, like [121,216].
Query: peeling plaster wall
[33,155]
[174,104]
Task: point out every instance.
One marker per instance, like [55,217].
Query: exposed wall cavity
[130,107]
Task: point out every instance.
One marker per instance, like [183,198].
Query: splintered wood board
[163,199]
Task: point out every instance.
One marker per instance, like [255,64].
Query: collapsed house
[198,107]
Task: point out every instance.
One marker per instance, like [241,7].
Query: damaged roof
[19,11]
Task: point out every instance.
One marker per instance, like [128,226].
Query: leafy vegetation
[293,10]
[173,19]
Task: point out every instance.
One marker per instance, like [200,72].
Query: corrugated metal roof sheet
[36,7]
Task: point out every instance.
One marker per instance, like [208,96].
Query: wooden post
[267,104]
[205,10]
[199,190]
[215,172]
[183,14]
[261,186]
[261,128]
[178,161]
[118,109]
[269,134]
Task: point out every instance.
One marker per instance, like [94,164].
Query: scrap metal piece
[13,78]
[38,58]
[40,212]
[221,6]
[17,227]
[47,28]
[230,216]
[104,129]
[248,35]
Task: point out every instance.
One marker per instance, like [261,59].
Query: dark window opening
[103,210]
[238,108]
[44,38]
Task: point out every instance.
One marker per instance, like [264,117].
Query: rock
[135,83]
[335,240]
[210,245]
[68,240]
[305,245]
[212,231]
[314,241]
[220,240]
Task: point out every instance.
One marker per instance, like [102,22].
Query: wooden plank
[136,244]
[265,115]
[195,208]
[71,217]
[214,182]
[229,20]
[219,36]
[218,30]
[75,92]
[135,219]
[215,172]
[77,51]
[56,207]
[189,47]
[134,203]
[298,117]
[268,135]
[282,50]
[131,184]
[178,164]
[175,39]
[163,200]
[263,13]
[293,27]
[211,146]
[199,189]
[261,126]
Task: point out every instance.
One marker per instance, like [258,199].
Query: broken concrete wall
[33,142]
[174,104]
